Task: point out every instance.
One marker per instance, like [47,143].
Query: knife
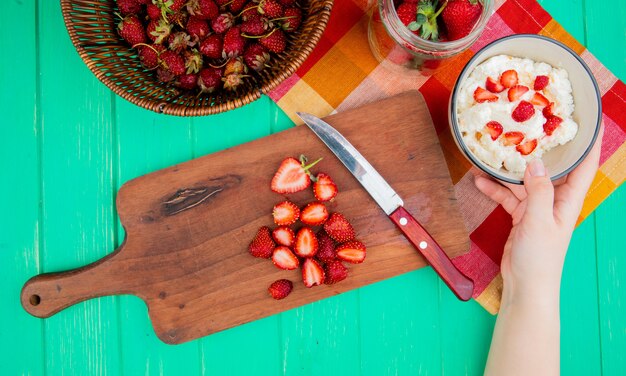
[392,205]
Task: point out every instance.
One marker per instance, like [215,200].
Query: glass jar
[391,41]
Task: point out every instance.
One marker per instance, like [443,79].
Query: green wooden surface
[67,145]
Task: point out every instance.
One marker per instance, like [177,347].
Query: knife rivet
[423,245]
[403,221]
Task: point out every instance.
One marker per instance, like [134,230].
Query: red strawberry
[197,27]
[516,92]
[175,4]
[284,259]
[283,236]
[527,147]
[179,41]
[509,78]
[127,7]
[481,95]
[513,138]
[205,9]
[280,289]
[275,41]
[539,100]
[523,111]
[173,62]
[324,188]
[154,12]
[164,75]
[222,23]
[271,8]
[131,30]
[407,12]
[352,251]
[325,247]
[460,16]
[335,272]
[494,86]
[222,3]
[314,214]
[211,46]
[210,79]
[312,273]
[250,12]
[495,129]
[237,5]
[254,27]
[541,82]
[256,57]
[552,124]
[178,18]
[306,243]
[234,43]
[187,81]
[287,2]
[547,111]
[262,245]
[149,55]
[338,228]
[285,213]
[293,19]
[292,176]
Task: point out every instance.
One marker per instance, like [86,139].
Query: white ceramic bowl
[587,102]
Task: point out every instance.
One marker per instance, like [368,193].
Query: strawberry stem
[434,16]
[244,11]
[306,168]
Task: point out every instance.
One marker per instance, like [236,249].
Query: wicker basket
[92,26]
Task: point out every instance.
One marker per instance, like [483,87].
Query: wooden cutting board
[188,226]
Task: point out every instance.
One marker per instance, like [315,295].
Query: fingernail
[536,168]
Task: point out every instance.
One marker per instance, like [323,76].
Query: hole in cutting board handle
[35,299]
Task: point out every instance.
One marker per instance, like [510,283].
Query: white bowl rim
[453,117]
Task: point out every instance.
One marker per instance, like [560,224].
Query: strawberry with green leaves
[131,30]
[424,22]
[292,175]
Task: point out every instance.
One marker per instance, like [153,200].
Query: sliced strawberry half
[324,188]
[495,129]
[292,175]
[523,111]
[280,289]
[335,271]
[539,99]
[494,86]
[326,247]
[338,228]
[262,245]
[285,213]
[509,78]
[283,235]
[481,95]
[547,111]
[527,147]
[284,259]
[541,82]
[513,138]
[552,124]
[352,251]
[516,92]
[306,243]
[312,273]
[314,214]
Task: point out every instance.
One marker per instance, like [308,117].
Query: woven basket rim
[181,110]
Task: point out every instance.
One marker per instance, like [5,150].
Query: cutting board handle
[46,294]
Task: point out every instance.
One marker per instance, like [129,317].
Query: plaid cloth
[341,73]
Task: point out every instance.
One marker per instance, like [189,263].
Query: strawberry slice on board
[292,175]
[513,138]
[312,273]
[285,213]
[335,271]
[541,82]
[494,86]
[523,111]
[262,245]
[352,252]
[283,235]
[509,78]
[516,92]
[280,289]
[552,124]
[306,243]
[314,214]
[324,188]
[539,99]
[284,259]
[527,147]
[481,95]
[495,129]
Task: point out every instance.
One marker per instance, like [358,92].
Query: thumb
[539,189]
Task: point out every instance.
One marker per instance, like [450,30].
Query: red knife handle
[460,285]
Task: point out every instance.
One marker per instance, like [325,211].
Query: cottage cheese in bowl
[512,110]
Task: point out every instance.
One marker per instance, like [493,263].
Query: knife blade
[393,206]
